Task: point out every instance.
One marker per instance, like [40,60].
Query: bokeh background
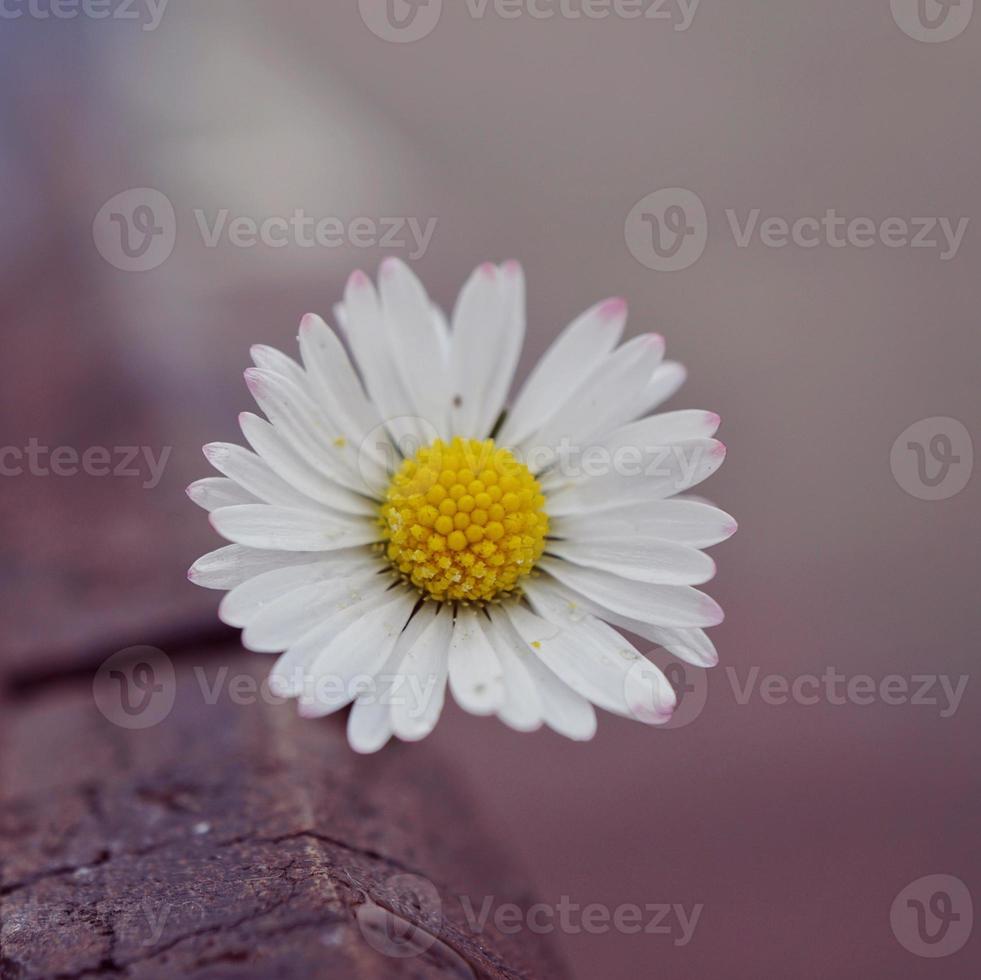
[795,825]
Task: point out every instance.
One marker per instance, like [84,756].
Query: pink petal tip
[488,269]
[613,309]
[357,280]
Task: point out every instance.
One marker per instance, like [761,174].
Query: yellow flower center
[464,520]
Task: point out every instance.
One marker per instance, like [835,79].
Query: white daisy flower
[395,531]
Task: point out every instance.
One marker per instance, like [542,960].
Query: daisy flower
[396,532]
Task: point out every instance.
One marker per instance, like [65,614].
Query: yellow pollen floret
[464,520]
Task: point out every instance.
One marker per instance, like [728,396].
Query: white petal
[271,359]
[596,661]
[562,709]
[662,605]
[265,526]
[234,564]
[476,678]
[642,560]
[335,385]
[245,601]
[572,356]
[414,337]
[422,672]
[360,317]
[216,491]
[691,645]
[293,468]
[291,674]
[591,410]
[668,378]
[306,427]
[522,708]
[359,651]
[488,331]
[370,723]
[683,521]
[369,726]
[674,470]
[256,476]
[511,341]
[288,618]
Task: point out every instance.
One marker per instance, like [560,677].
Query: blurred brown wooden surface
[234,839]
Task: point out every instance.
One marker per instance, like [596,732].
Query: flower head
[396,532]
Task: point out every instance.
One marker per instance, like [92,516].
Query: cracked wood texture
[231,839]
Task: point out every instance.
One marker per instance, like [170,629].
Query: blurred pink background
[793,826]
